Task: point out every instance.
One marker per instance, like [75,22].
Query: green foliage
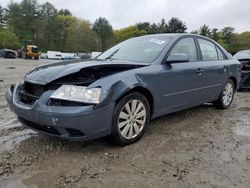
[1,17]
[104,30]
[64,12]
[205,31]
[128,32]
[176,26]
[76,35]
[8,40]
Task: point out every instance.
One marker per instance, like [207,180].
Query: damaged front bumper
[72,122]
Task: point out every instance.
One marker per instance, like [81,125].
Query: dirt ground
[198,147]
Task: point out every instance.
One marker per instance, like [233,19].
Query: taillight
[242,66]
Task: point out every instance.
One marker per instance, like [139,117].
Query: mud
[198,147]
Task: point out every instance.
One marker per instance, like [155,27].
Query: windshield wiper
[111,55]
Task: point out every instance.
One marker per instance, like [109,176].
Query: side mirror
[177,58]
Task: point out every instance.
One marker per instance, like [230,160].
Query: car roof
[175,35]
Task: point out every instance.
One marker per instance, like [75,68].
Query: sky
[122,13]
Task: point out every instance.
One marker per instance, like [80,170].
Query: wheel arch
[234,81]
[144,91]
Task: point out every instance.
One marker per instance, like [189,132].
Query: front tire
[226,95]
[131,118]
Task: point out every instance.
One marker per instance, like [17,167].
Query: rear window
[221,55]
[208,50]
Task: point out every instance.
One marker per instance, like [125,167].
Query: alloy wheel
[132,118]
[228,94]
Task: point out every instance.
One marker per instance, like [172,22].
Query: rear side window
[186,46]
[220,54]
[208,50]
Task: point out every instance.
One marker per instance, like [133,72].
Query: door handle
[200,71]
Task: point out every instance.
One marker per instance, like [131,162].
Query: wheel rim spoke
[140,122]
[139,107]
[141,114]
[136,128]
[123,115]
[130,134]
[125,131]
[134,103]
[122,124]
[128,109]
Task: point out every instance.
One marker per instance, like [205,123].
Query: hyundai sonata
[120,91]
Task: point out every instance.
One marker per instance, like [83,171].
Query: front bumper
[74,122]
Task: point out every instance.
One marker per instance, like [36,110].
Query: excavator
[28,50]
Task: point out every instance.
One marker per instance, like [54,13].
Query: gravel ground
[198,147]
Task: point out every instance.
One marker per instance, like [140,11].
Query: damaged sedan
[244,58]
[120,91]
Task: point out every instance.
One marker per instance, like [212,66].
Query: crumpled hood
[48,73]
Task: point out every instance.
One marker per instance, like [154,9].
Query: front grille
[34,50]
[27,98]
[42,128]
[29,93]
[58,102]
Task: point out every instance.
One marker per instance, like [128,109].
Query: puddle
[10,124]
[244,109]
[29,181]
[10,67]
[17,183]
[12,133]
[9,141]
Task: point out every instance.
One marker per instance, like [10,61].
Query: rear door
[212,69]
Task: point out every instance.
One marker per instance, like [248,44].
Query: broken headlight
[78,94]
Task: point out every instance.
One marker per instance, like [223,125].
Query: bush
[8,40]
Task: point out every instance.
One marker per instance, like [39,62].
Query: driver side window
[186,46]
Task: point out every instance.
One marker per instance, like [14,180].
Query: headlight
[78,94]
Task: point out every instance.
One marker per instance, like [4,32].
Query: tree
[215,34]
[163,27]
[104,30]
[64,12]
[143,26]
[153,29]
[48,27]
[243,41]
[1,17]
[128,32]
[75,35]
[23,19]
[205,31]
[227,33]
[8,40]
[229,38]
[176,26]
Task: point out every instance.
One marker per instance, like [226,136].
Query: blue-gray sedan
[120,91]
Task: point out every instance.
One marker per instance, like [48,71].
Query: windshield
[242,55]
[141,49]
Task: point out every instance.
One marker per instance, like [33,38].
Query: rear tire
[131,118]
[226,95]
